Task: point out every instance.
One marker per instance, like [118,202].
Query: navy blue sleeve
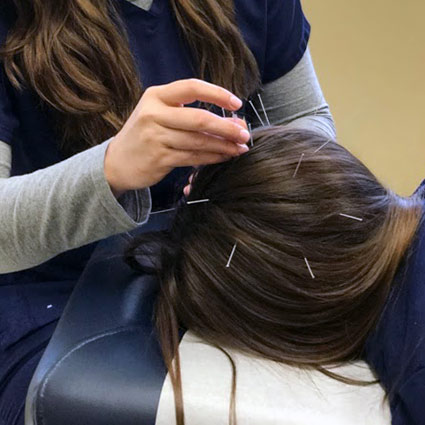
[8,120]
[396,348]
[410,408]
[288,32]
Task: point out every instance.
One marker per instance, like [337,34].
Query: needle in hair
[231,255]
[256,112]
[309,268]
[162,211]
[250,133]
[264,109]
[351,216]
[224,112]
[298,165]
[197,202]
[321,147]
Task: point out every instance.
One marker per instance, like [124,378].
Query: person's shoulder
[276,31]
[410,408]
[396,348]
[420,190]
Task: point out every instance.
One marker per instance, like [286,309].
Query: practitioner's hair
[75,55]
[267,302]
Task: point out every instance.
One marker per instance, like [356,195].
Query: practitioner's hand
[161,134]
[188,187]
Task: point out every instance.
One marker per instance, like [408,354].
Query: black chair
[103,341]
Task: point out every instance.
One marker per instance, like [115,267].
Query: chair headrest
[103,359]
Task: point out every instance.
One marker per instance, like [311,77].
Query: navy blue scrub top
[31,301]
[396,349]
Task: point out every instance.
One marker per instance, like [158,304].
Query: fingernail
[235,102]
[244,135]
[243,148]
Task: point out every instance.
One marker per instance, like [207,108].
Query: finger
[239,121]
[196,141]
[200,120]
[192,90]
[186,190]
[194,159]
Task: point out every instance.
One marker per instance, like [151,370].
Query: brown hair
[75,55]
[267,303]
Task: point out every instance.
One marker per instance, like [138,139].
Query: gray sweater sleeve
[61,207]
[296,100]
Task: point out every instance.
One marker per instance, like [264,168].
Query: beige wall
[370,59]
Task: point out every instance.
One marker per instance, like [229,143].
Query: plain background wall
[370,59]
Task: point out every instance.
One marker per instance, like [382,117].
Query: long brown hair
[75,55]
[281,203]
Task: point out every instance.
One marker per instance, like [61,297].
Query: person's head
[75,55]
[293,202]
